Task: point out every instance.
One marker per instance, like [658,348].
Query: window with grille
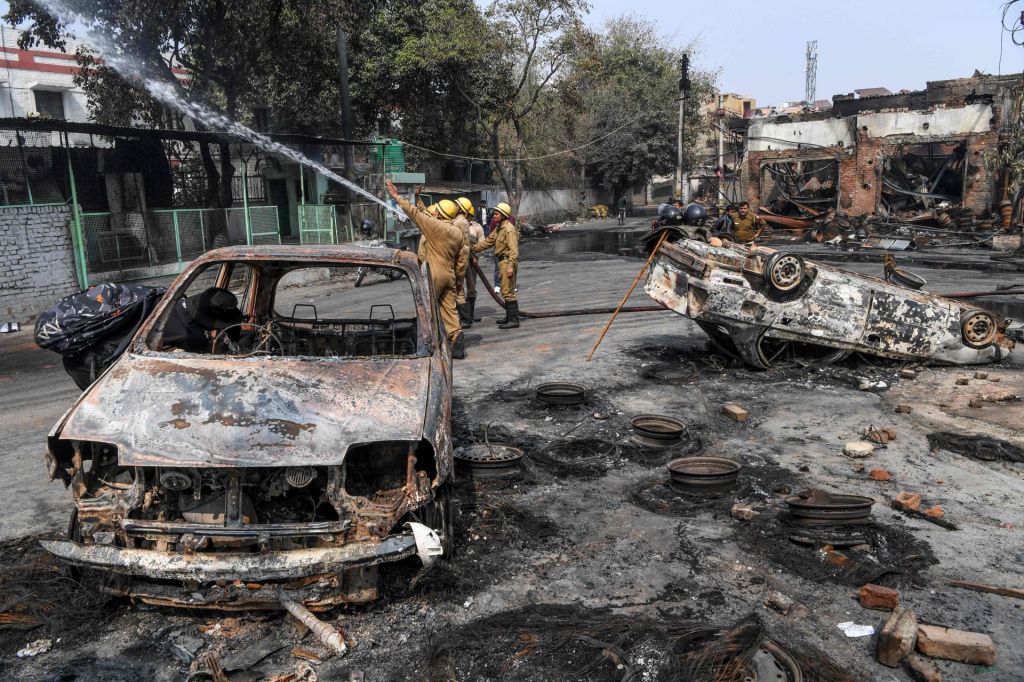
[50,104]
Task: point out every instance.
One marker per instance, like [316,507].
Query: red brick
[905,500]
[920,669]
[896,638]
[879,597]
[879,475]
[735,412]
[956,645]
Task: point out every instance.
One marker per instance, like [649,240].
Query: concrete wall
[826,133]
[550,205]
[36,260]
[970,119]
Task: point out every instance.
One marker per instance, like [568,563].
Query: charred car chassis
[764,306]
[219,480]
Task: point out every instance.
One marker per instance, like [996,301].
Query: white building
[39,82]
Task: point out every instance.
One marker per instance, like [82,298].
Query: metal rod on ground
[566,313]
[326,633]
[625,298]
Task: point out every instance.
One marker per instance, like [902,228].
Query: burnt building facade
[888,154]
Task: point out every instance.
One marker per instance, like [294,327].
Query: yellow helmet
[432,210]
[504,209]
[447,209]
[466,205]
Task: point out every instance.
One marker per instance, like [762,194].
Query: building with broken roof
[884,153]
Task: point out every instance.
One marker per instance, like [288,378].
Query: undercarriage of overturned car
[769,307]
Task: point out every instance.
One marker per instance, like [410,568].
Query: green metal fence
[318,224]
[160,242]
[262,226]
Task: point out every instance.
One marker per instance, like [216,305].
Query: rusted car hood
[164,410]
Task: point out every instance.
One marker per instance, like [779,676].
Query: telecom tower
[811,70]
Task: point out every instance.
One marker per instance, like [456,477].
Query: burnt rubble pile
[548,641]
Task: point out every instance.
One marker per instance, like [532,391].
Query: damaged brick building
[885,154]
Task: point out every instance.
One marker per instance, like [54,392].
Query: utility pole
[720,166]
[684,89]
[346,116]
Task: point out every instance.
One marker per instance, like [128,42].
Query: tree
[622,89]
[226,46]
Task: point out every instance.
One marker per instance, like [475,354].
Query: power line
[525,158]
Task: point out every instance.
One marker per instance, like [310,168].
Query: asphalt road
[607,551]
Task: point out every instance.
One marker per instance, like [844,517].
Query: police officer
[505,241]
[746,227]
[440,247]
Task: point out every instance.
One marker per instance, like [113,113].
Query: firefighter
[473,233]
[440,247]
[746,227]
[505,240]
[461,221]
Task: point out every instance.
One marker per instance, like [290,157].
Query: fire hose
[566,313]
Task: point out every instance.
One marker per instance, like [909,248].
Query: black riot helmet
[695,214]
[366,227]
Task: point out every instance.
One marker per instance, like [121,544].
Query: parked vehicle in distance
[309,442]
[768,307]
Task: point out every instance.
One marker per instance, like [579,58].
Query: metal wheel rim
[647,426]
[979,338]
[498,456]
[785,272]
[561,393]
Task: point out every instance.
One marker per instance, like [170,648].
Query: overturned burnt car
[304,445]
[770,307]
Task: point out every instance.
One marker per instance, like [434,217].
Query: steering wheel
[262,340]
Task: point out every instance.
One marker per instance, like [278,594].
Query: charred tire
[978,328]
[439,515]
[784,271]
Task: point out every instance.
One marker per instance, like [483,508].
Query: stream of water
[169,94]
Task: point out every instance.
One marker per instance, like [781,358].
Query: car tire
[978,328]
[440,516]
[784,271]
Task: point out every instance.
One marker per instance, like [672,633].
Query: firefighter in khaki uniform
[505,240]
[476,233]
[440,247]
[461,222]
[465,275]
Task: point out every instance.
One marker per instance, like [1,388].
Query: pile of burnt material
[832,537]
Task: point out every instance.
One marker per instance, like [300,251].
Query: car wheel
[979,328]
[784,271]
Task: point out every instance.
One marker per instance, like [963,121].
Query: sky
[760,45]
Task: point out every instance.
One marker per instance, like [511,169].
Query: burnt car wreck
[767,307]
[310,443]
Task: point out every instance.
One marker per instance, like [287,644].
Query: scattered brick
[920,669]
[879,475]
[744,512]
[879,597]
[905,500]
[904,409]
[981,375]
[890,432]
[935,512]
[962,381]
[834,558]
[897,637]
[955,645]
[995,379]
[735,412]
[908,374]
[976,402]
[779,602]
